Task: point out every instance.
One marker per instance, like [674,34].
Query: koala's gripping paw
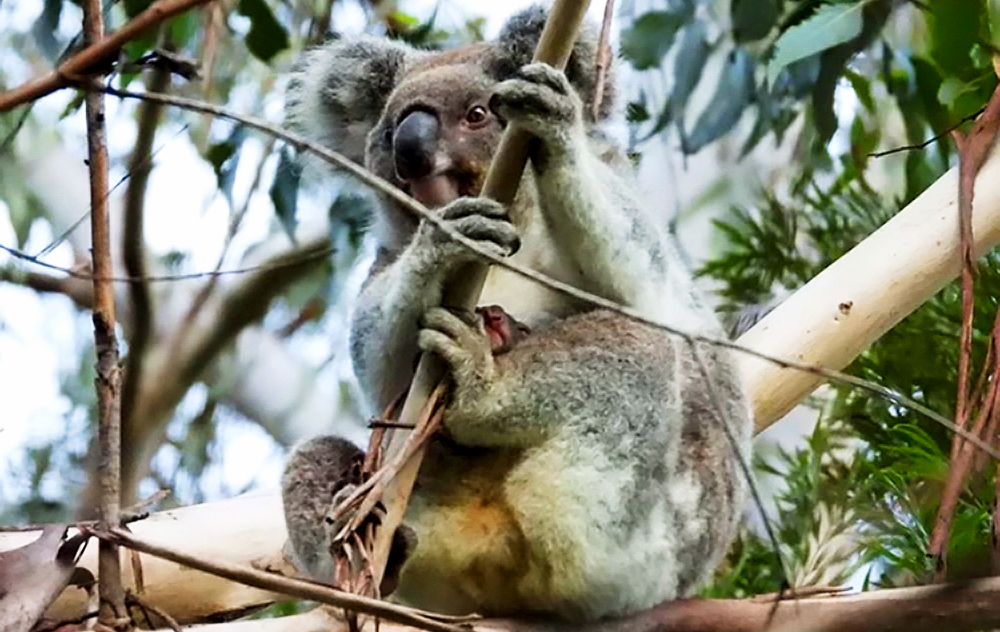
[333,524]
[462,345]
[482,220]
[541,100]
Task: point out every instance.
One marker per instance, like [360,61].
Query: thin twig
[97,52]
[420,210]
[163,278]
[603,58]
[932,139]
[136,598]
[973,151]
[285,585]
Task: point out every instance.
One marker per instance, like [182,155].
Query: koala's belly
[469,543]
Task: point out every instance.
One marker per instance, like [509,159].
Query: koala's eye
[387,137]
[476,115]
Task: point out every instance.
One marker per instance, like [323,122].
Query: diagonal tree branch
[98,52]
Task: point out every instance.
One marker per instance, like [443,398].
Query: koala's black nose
[414,145]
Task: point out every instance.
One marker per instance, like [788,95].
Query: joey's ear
[337,94]
[515,47]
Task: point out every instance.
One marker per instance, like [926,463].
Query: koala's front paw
[482,220]
[462,344]
[541,100]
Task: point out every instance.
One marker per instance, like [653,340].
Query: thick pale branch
[848,306]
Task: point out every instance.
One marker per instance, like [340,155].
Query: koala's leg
[316,471]
[384,329]
[592,209]
[490,403]
[320,474]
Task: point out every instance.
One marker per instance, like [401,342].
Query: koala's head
[419,119]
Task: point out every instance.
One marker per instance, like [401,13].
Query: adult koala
[587,472]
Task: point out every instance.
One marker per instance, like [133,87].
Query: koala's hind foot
[461,343]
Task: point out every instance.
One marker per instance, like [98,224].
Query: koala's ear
[337,94]
[515,47]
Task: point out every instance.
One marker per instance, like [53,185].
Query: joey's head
[503,330]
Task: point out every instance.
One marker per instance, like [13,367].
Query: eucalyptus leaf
[831,25]
[267,37]
[285,190]
[225,157]
[733,93]
[650,37]
[753,19]
[688,66]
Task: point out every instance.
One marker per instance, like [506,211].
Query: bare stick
[501,184]
[97,52]
[276,583]
[112,612]
[603,58]
[973,151]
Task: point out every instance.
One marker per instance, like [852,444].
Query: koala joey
[585,470]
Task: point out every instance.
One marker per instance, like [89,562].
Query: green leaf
[267,37]
[688,66]
[993,18]
[44,29]
[732,95]
[753,19]
[831,25]
[650,37]
[285,190]
[135,7]
[225,157]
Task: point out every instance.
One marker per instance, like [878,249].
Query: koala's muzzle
[414,145]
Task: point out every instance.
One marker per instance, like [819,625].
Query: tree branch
[133,242]
[112,609]
[80,291]
[96,53]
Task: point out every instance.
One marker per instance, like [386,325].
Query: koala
[584,470]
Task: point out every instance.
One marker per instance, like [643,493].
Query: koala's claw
[465,206]
[540,99]
[333,527]
[545,74]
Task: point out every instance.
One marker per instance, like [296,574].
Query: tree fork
[501,184]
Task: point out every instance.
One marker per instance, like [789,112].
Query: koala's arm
[385,323]
[592,207]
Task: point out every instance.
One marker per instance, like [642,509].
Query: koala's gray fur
[586,473]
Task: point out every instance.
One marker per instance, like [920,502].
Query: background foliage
[801,93]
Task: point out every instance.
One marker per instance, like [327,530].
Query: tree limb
[108,381]
[80,291]
[142,314]
[90,58]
